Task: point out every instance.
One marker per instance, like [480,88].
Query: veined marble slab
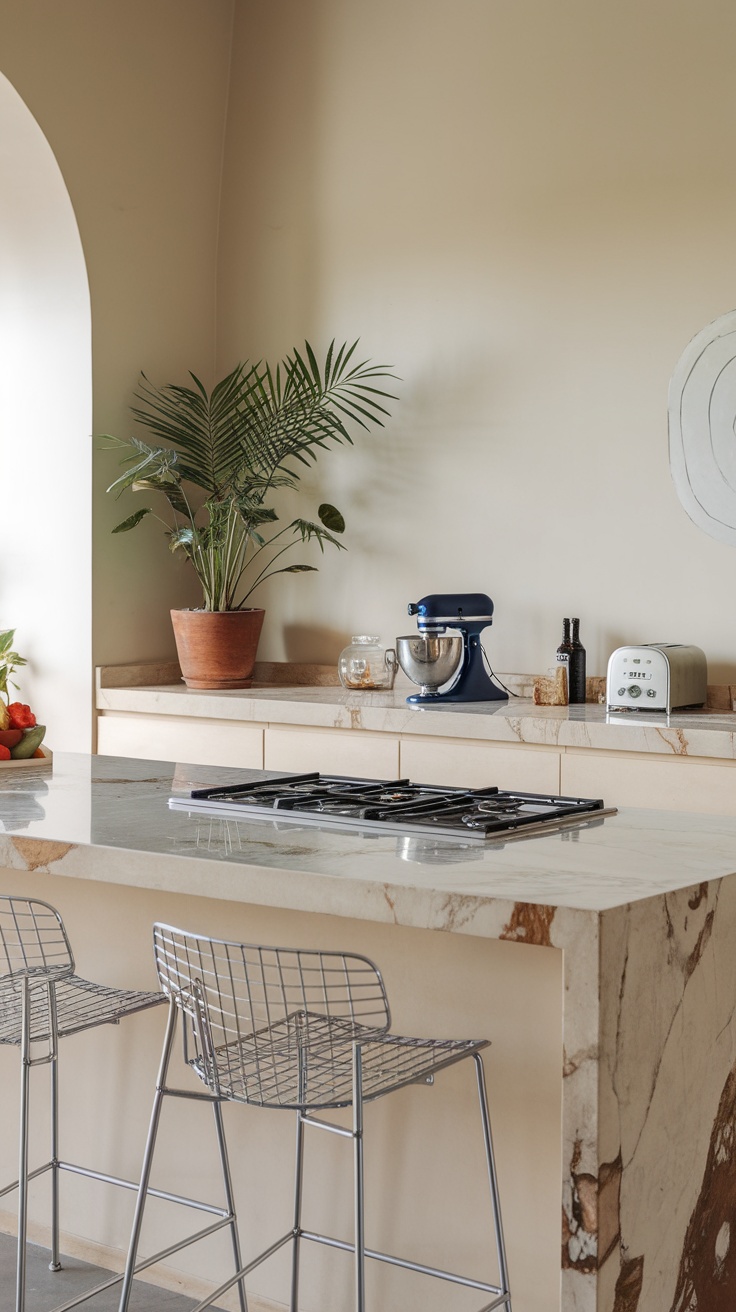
[121,805]
[705,733]
[643,908]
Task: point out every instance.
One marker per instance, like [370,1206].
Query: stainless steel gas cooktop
[392,806]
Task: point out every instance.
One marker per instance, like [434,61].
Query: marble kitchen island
[611,1001]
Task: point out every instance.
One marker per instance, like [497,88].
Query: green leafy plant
[227,451]
[10,661]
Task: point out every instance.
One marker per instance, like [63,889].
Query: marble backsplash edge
[281,674]
[294,674]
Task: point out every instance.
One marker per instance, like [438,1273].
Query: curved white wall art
[702,427]
[45,430]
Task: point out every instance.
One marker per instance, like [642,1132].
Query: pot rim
[200,610]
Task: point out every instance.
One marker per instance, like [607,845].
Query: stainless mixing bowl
[429,659]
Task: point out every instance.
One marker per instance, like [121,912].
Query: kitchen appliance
[431,659]
[391,806]
[656,676]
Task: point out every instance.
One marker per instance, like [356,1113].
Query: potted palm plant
[219,457]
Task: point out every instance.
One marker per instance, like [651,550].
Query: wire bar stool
[305,1030]
[42,1001]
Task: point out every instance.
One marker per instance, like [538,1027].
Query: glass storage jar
[365,664]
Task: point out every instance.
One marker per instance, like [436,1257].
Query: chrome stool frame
[41,1002]
[305,1030]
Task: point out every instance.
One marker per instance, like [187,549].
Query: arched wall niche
[45,430]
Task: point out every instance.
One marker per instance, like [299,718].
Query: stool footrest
[406,1264]
[326,1125]
[152,1193]
[32,1175]
[141,1266]
[246,1270]
[133,1185]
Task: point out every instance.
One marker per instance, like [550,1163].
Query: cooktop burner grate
[396,805]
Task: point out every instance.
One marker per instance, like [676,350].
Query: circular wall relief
[702,428]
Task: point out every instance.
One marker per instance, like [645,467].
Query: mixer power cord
[500,682]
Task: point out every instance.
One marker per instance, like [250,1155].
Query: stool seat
[305,1062]
[80,1005]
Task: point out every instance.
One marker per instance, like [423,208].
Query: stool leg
[358,1173]
[25,1075]
[148,1159]
[298,1170]
[298,1178]
[230,1199]
[492,1179]
[55,1263]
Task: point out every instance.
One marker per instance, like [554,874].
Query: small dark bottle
[564,651]
[576,667]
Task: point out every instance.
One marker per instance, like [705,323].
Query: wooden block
[595,689]
[719,697]
[552,691]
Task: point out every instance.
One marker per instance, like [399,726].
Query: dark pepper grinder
[576,667]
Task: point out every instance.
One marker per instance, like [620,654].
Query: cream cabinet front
[462,763]
[665,783]
[181,738]
[332,751]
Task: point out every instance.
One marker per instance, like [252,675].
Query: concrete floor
[48,1289]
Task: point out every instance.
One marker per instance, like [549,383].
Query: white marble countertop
[686,733]
[107,819]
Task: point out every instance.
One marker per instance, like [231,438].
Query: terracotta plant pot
[217,649]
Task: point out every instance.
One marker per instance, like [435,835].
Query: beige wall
[527,208]
[132,99]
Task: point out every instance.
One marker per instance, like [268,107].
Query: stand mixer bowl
[429,659]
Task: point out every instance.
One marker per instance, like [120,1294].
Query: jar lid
[364,637]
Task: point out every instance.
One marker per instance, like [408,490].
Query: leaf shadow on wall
[418,465]
[313,643]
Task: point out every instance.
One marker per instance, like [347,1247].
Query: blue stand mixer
[431,659]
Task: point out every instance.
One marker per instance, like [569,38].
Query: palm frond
[203,428]
[239,443]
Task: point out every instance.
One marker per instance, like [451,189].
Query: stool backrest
[245,992]
[33,941]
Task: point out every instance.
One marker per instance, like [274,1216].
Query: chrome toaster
[656,676]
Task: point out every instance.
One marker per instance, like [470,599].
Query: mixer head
[467,611]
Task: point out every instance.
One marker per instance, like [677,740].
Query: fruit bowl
[45,759]
[21,736]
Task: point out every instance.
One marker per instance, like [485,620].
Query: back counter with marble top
[634,917]
[649,759]
[158,690]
